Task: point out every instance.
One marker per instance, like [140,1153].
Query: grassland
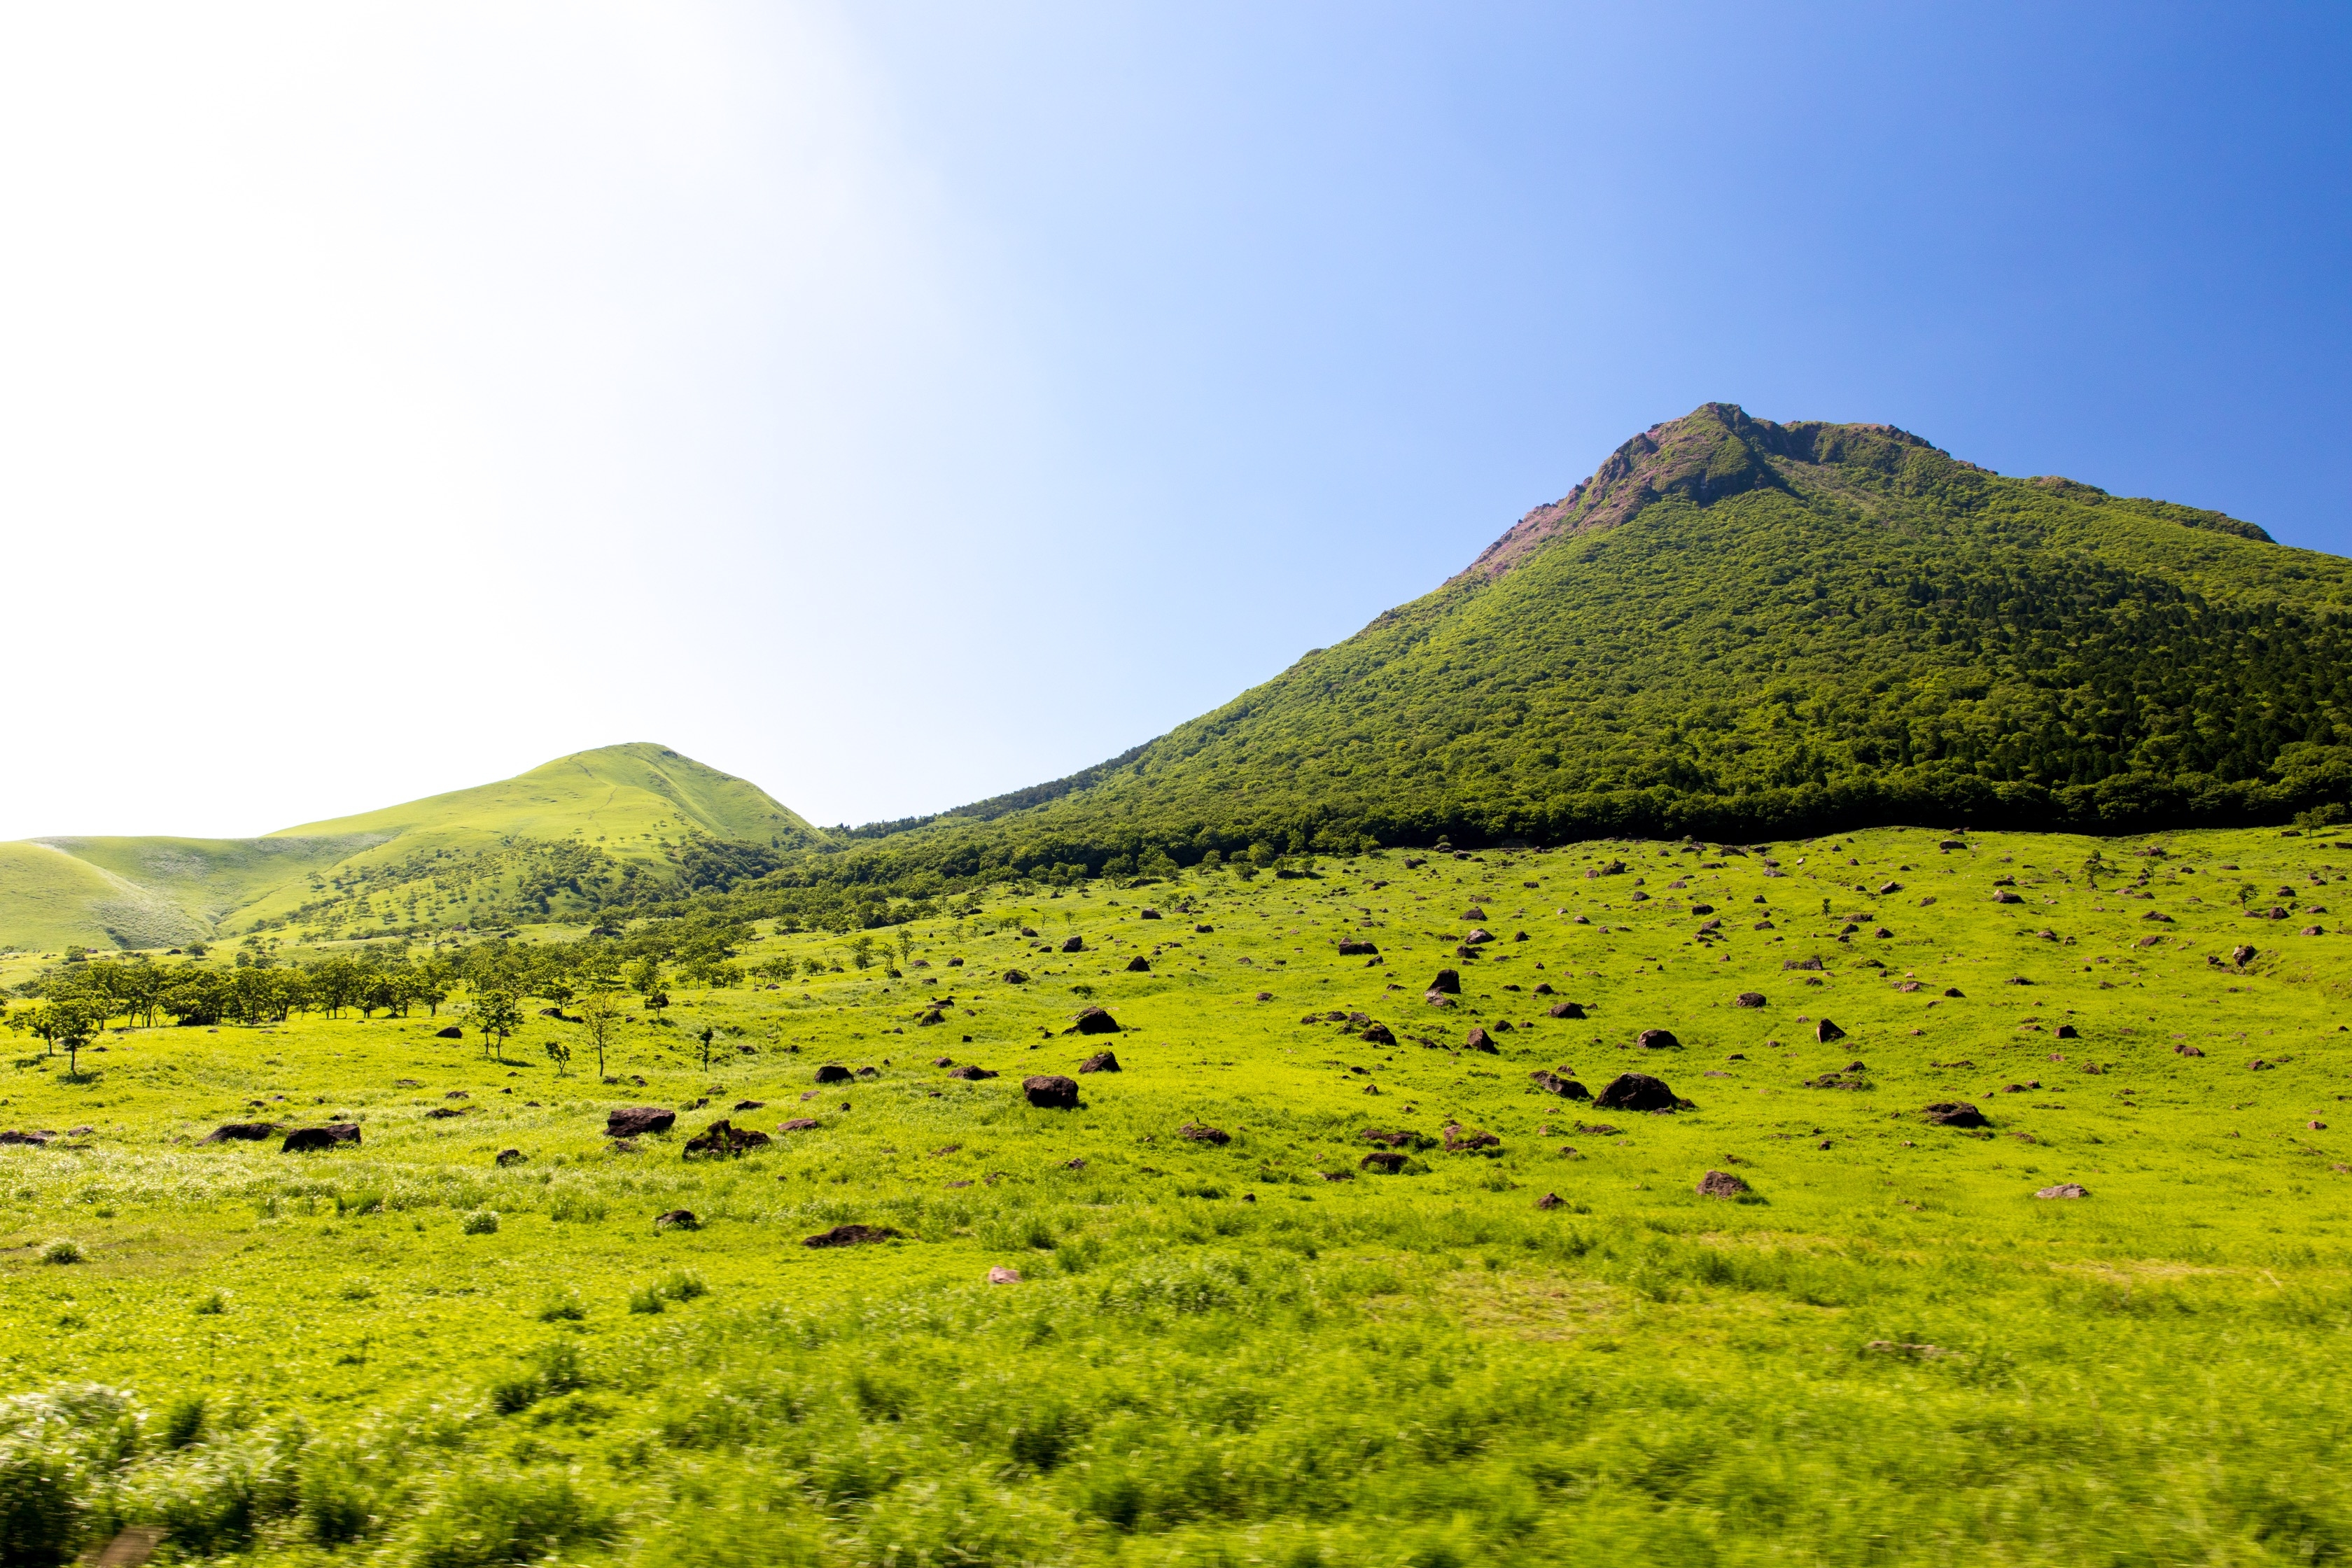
[1891,1352]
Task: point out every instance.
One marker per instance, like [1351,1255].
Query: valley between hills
[1795,1011]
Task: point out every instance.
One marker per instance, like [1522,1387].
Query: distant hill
[595,827]
[1741,628]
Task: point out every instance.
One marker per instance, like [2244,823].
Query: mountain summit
[1743,628]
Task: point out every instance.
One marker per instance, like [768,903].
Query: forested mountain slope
[1740,628]
[616,826]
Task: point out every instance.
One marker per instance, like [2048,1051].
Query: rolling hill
[1742,628]
[570,835]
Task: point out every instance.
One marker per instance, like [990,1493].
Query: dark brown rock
[1814,963]
[1399,1139]
[1378,1034]
[511,1156]
[726,1141]
[1551,1201]
[1565,1087]
[1355,949]
[970,1072]
[1460,1140]
[450,1033]
[1146,914]
[1093,1021]
[1051,1091]
[1826,1031]
[2064,1190]
[1101,1061]
[850,1235]
[1657,1040]
[1477,1039]
[1955,1113]
[309,1140]
[2068,1032]
[1138,964]
[676,1219]
[834,1072]
[1565,1009]
[1016,977]
[1636,1091]
[1386,1161]
[2242,956]
[1721,1184]
[1201,1134]
[1075,944]
[1448,982]
[1749,999]
[636,1121]
[930,1019]
[229,1132]
[799,1124]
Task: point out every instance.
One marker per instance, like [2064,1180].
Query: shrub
[645,1300]
[682,1286]
[482,1521]
[211,1304]
[63,1250]
[183,1420]
[481,1222]
[563,1307]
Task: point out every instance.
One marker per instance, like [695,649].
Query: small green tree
[496,1014]
[561,1055]
[861,951]
[600,1018]
[645,977]
[708,1034]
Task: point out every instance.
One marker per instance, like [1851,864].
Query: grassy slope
[631,800]
[1218,1351]
[1865,629]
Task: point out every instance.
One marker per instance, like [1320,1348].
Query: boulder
[1826,1031]
[1814,963]
[834,1072]
[1749,999]
[1477,938]
[722,1139]
[1551,1201]
[1203,931]
[1543,988]
[999,1275]
[1201,1134]
[1384,1162]
[1473,913]
[1477,1039]
[936,1061]
[1357,949]
[1565,1009]
[309,1140]
[1657,1040]
[798,1124]
[1075,944]
[511,1156]
[1093,1021]
[1101,1061]
[1138,964]
[849,1235]
[862,1072]
[1553,1083]
[1378,1034]
[1721,1184]
[1448,982]
[2068,1032]
[930,1019]
[1636,1091]
[2064,1190]
[1461,1139]
[1146,914]
[1401,1138]
[1051,1091]
[970,1072]
[1955,1113]
[751,1105]
[2242,956]
[1016,977]
[676,1219]
[636,1121]
[228,1133]
[451,1032]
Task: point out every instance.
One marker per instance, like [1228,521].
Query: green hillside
[1739,628]
[609,825]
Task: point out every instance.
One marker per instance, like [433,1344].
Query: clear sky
[897,403]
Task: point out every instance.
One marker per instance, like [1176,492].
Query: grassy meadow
[1257,1350]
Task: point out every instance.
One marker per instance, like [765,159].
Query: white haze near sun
[394,397]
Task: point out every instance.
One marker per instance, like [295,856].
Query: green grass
[1896,1353]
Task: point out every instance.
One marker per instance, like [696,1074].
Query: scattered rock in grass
[1101,1061]
[862,1072]
[1554,1083]
[833,1072]
[936,1061]
[1146,914]
[1378,1034]
[799,1124]
[511,1156]
[310,1140]
[1138,964]
[1016,977]
[1551,1201]
[751,1105]
[2315,1126]
[1814,963]
[1265,995]
[1051,1091]
[1477,1039]
[1564,1009]
[1955,1113]
[442,1112]
[1201,1134]
[229,1132]
[451,1032]
[1075,944]
[2242,956]
[1826,1031]
[637,1121]
[930,1019]
[1722,1184]
[677,1219]
[1002,1275]
[1093,1021]
[1386,1161]
[2064,1190]
[2258,1065]
[2187,1050]
[2007,896]
[851,1235]
[1473,913]
[1399,1137]
[1357,949]
[725,1139]
[1951,990]
[1657,1040]
[1749,999]
[1448,982]
[1637,1091]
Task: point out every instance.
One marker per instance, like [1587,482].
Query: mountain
[596,828]
[1738,628]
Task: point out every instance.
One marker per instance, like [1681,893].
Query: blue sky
[898,403]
